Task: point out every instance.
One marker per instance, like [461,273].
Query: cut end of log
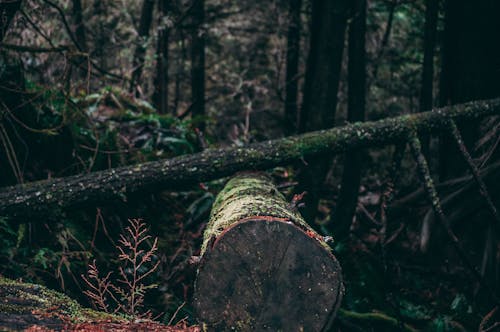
[267,273]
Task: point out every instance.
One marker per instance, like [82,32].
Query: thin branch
[483,190]
[65,23]
[34,49]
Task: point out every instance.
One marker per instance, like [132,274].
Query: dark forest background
[87,85]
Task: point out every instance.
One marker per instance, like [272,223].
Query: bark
[256,249]
[98,187]
[160,96]
[8,10]
[198,63]
[292,67]
[328,23]
[33,307]
[326,48]
[140,50]
[351,177]
[27,305]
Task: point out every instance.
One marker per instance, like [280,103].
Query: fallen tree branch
[32,307]
[433,197]
[33,49]
[475,172]
[97,187]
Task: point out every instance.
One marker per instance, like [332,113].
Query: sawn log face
[266,271]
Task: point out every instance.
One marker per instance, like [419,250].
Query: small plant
[136,264]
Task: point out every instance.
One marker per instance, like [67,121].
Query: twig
[10,153]
[372,318]
[65,23]
[175,313]
[492,327]
[37,29]
[486,318]
[388,192]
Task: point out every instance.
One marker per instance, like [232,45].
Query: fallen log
[32,307]
[86,189]
[262,266]
[25,305]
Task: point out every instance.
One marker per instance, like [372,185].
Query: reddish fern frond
[133,255]
[99,287]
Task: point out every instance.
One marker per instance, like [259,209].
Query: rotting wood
[32,307]
[98,187]
[262,266]
[24,305]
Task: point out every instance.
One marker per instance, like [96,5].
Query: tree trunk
[12,99]
[384,42]
[471,62]
[140,50]
[326,48]
[160,96]
[426,89]
[79,31]
[348,198]
[198,64]
[8,10]
[98,187]
[79,26]
[292,67]
[328,24]
[262,267]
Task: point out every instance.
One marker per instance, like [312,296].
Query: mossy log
[262,267]
[98,187]
[32,307]
[23,305]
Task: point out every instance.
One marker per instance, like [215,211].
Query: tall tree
[470,71]
[426,89]
[328,23]
[11,97]
[470,68]
[8,10]
[198,62]
[356,66]
[292,66]
[160,96]
[140,50]
[79,29]
[81,39]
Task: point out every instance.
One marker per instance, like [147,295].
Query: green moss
[24,298]
[249,195]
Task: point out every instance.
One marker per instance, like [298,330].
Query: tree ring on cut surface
[264,273]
